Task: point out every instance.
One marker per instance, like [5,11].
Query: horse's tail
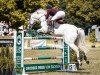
[81,40]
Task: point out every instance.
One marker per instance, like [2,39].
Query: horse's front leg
[39,30]
[44,27]
[42,30]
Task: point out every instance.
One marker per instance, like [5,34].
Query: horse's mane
[41,11]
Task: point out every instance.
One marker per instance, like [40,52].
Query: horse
[73,36]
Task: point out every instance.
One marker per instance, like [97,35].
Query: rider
[54,14]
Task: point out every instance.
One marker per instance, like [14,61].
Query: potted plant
[92,38]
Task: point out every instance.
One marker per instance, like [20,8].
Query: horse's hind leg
[82,45]
[76,49]
[69,39]
[84,49]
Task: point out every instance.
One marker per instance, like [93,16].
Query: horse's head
[39,16]
[31,20]
[36,16]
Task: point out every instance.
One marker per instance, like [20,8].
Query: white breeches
[58,15]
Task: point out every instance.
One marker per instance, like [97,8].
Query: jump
[73,36]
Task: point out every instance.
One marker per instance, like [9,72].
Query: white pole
[14,56]
[22,53]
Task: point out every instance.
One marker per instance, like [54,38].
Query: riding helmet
[49,6]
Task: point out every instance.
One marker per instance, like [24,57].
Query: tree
[80,12]
[85,10]
[16,11]
[10,12]
[6,7]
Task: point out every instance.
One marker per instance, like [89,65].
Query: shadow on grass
[80,71]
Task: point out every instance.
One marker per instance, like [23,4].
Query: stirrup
[51,27]
[60,21]
[52,23]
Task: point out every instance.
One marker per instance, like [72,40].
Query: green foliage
[32,5]
[18,18]
[6,59]
[36,26]
[19,70]
[73,57]
[92,36]
[6,6]
[80,12]
[86,10]
[16,11]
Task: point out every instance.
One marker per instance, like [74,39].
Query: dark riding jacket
[51,12]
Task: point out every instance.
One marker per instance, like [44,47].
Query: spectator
[5,31]
[11,33]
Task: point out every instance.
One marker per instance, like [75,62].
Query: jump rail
[18,54]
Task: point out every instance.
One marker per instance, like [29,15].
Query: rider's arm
[48,13]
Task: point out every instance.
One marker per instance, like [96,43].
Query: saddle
[60,21]
[52,24]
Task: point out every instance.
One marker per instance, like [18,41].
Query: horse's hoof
[38,31]
[87,62]
[77,65]
[85,58]
[80,64]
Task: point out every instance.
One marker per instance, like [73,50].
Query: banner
[19,46]
[6,42]
[37,43]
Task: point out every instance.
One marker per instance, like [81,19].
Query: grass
[36,53]
[92,69]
